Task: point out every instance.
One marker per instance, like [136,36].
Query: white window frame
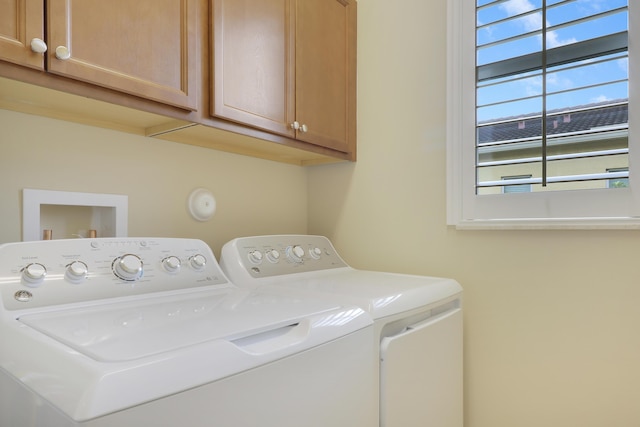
[594,208]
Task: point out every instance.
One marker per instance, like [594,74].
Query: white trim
[552,224]
[583,209]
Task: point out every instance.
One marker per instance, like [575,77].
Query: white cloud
[533,21]
[623,64]
[530,22]
[554,41]
[601,98]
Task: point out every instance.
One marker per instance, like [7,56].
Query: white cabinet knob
[304,128]
[38,45]
[295,125]
[62,53]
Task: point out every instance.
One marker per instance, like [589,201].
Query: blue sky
[566,78]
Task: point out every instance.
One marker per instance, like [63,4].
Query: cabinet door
[253,63]
[21,21]
[143,47]
[326,72]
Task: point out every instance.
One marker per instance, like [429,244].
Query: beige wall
[158,177]
[552,323]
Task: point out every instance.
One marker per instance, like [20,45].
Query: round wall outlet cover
[201,204]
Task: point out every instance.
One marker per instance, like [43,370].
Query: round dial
[128,267]
[295,253]
[76,272]
[198,262]
[171,264]
[315,253]
[34,274]
[255,257]
[273,256]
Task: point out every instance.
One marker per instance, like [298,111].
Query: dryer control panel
[277,255]
[48,273]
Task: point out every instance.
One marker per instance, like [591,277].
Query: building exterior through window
[588,141]
[551,94]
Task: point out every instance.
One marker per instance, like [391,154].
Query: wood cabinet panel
[280,62]
[21,21]
[144,47]
[253,63]
[325,72]
[145,58]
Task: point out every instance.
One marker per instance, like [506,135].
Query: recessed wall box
[71,214]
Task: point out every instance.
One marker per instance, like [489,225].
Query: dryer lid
[381,294]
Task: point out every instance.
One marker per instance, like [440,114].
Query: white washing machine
[149,332]
[418,320]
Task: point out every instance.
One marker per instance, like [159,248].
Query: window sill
[551,224]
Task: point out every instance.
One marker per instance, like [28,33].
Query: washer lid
[98,359]
[151,326]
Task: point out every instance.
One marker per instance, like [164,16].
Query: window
[620,180]
[517,184]
[538,92]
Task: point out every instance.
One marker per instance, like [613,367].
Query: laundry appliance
[149,332]
[418,320]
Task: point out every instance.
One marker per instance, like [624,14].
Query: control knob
[34,274]
[128,267]
[255,257]
[198,262]
[171,264]
[315,253]
[76,272]
[273,256]
[295,253]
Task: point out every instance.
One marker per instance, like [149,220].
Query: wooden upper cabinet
[253,63]
[21,21]
[326,73]
[145,48]
[288,67]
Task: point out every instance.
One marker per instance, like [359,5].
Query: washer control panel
[47,273]
[277,255]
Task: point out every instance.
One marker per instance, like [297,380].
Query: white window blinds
[551,94]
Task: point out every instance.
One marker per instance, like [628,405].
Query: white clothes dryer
[418,320]
[149,331]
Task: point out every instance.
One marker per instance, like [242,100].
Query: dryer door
[421,374]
